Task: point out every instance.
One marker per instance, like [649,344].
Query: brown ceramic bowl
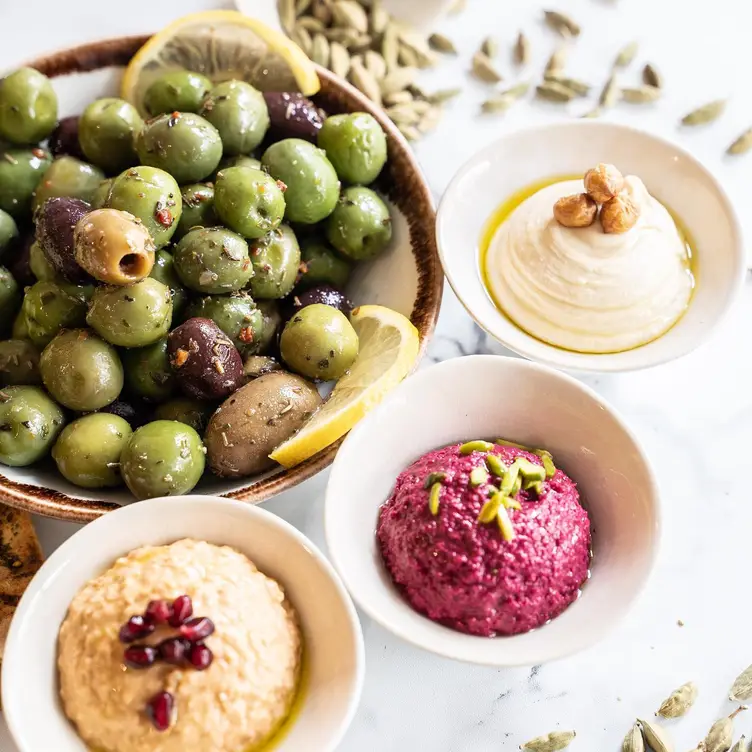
[407,277]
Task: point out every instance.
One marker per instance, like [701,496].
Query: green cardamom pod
[633,741]
[741,689]
[640,94]
[562,23]
[741,745]
[679,701]
[708,113]
[651,76]
[742,144]
[626,55]
[656,737]
[552,742]
[720,737]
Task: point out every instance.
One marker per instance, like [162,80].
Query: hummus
[233,706]
[462,573]
[582,289]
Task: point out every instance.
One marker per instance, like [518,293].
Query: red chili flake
[173,119]
[164,217]
[282,186]
[39,153]
[180,357]
[246,334]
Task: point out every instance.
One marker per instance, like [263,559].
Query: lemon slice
[221,44]
[388,350]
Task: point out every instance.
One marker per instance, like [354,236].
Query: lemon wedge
[222,45]
[388,351]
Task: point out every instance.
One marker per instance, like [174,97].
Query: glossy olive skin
[276,261]
[41,268]
[8,230]
[49,307]
[248,201]
[133,315]
[81,371]
[106,132]
[312,183]
[193,413]
[162,458]
[55,221]
[272,323]
[21,170]
[147,371]
[28,107]
[293,115]
[198,208]
[64,139]
[325,294]
[213,260]
[19,362]
[205,362]
[101,194]
[239,160]
[321,265]
[10,298]
[355,144]
[20,330]
[255,420]
[236,315]
[87,452]
[153,196]
[255,366]
[113,246]
[29,424]
[360,226]
[176,91]
[68,176]
[319,342]
[181,143]
[238,111]
[164,271]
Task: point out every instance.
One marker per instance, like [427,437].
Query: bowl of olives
[177,278]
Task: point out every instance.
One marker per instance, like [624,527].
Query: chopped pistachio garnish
[505,524]
[432,478]
[510,479]
[434,497]
[513,444]
[495,465]
[476,446]
[534,485]
[529,470]
[509,503]
[478,476]
[548,462]
[490,508]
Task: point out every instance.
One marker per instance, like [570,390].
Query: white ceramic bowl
[331,631]
[671,174]
[484,396]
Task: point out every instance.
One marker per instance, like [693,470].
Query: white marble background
[694,416]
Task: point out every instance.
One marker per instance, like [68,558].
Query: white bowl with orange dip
[581,298]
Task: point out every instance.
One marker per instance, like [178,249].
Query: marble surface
[694,416]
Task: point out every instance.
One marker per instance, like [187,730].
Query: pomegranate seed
[158,612]
[135,628]
[173,650]
[200,657]
[197,629]
[160,710]
[182,610]
[140,656]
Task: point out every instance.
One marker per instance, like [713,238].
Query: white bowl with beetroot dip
[550,573]
[277,657]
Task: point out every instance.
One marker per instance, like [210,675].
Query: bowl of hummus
[638,277]
[513,524]
[183,623]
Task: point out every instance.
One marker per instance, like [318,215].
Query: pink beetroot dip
[462,573]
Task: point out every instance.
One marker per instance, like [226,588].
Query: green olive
[176,91]
[198,208]
[70,177]
[21,170]
[164,271]
[87,452]
[28,107]
[355,144]
[147,371]
[360,227]
[321,265]
[8,230]
[248,201]
[132,316]
[40,267]
[106,132]
[192,412]
[276,261]
[10,298]
[49,307]
[19,362]
[81,371]
[236,315]
[29,424]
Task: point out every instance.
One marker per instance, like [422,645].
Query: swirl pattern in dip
[582,289]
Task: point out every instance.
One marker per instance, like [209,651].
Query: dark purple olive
[64,139]
[18,261]
[206,363]
[55,220]
[134,413]
[292,116]
[325,294]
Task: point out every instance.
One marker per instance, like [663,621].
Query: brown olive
[114,246]
[255,420]
[55,220]
[326,294]
[206,363]
[255,366]
[64,139]
[292,115]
